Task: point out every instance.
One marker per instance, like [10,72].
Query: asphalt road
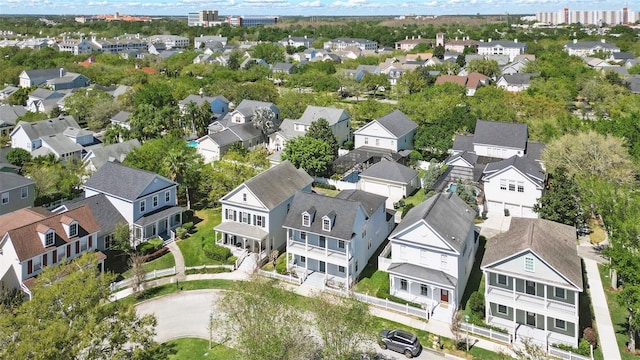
[186,314]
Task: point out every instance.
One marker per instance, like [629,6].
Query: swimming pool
[452,188]
[192,143]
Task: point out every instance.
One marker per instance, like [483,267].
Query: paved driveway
[186,314]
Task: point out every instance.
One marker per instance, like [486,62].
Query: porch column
[433,290]
[347,266]
[544,325]
[259,250]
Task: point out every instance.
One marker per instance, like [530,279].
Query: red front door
[444,295]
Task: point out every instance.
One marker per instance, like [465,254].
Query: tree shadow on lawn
[475,279]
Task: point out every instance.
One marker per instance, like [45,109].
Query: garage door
[376,188]
[514,210]
[528,212]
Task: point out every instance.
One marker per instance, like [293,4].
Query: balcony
[316,252]
[529,302]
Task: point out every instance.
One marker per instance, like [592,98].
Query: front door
[322,266]
[444,295]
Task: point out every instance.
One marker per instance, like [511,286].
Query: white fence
[486,332]
[148,276]
[229,267]
[340,185]
[392,305]
[568,355]
[384,259]
[272,274]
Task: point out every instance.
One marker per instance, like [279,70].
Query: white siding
[518,203]
[496,151]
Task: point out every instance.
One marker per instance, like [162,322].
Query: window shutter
[29,266]
[90,242]
[55,256]
[44,259]
[77,247]
[68,251]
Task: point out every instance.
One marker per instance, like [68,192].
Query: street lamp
[466,321]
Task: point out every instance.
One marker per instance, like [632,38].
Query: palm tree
[265,120]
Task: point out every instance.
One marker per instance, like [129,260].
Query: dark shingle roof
[397,123]
[423,273]
[505,134]
[447,214]
[9,181]
[112,152]
[390,170]
[529,168]
[345,211]
[278,183]
[121,117]
[47,127]
[534,150]
[463,143]
[124,182]
[106,214]
[518,79]
[553,242]
[370,202]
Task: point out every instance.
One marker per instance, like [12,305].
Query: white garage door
[376,188]
[528,212]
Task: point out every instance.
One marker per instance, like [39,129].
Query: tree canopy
[313,155]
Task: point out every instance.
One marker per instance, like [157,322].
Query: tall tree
[269,52]
[560,202]
[489,68]
[313,155]
[69,318]
[320,129]
[264,119]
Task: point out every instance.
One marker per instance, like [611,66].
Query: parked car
[400,341]
[583,230]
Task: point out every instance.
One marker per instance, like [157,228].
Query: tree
[259,332]
[461,60]
[560,202]
[589,153]
[92,107]
[270,52]
[344,324]
[486,67]
[438,52]
[467,193]
[264,119]
[18,157]
[320,129]
[69,318]
[313,155]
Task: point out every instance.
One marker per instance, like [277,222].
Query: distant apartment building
[251,21]
[119,44]
[203,18]
[342,43]
[170,41]
[408,44]
[589,17]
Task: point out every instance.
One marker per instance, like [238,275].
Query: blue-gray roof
[106,214]
[391,171]
[512,135]
[125,182]
[397,123]
[10,181]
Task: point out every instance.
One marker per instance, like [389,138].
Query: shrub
[181,233]
[348,145]
[584,348]
[324,186]
[476,303]
[215,270]
[406,209]
[231,260]
[188,226]
[281,267]
[150,246]
[590,336]
[214,251]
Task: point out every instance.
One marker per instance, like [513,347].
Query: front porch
[319,274]
[538,334]
[161,223]
[237,235]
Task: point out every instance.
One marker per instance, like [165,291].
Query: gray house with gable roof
[432,254]
[389,179]
[16,192]
[331,239]
[533,281]
[146,201]
[393,131]
[253,213]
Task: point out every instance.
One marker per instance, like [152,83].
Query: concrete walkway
[177,255]
[606,332]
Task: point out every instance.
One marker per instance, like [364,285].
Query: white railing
[384,259]
[567,355]
[272,274]
[486,332]
[240,259]
[115,286]
[26,290]
[392,305]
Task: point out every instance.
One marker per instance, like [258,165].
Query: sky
[304,7]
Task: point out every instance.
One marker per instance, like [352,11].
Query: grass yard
[163,262]
[327,192]
[618,314]
[414,199]
[372,284]
[191,247]
[194,349]
[597,232]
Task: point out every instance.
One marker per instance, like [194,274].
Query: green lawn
[194,349]
[372,284]
[163,262]
[415,199]
[618,314]
[191,247]
[327,192]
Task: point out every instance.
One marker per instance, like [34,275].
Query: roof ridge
[530,230]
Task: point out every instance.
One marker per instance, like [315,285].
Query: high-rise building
[203,18]
[589,17]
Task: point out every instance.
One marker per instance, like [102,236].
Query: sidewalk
[606,332]
[177,255]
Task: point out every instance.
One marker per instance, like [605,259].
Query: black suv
[400,341]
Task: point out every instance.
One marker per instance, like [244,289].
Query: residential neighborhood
[472,188]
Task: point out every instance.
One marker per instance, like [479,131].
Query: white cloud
[310,4]
[348,3]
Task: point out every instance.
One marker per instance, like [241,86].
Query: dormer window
[49,238]
[326,224]
[306,220]
[73,230]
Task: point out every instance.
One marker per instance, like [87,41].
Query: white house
[393,131]
[533,281]
[502,47]
[338,120]
[253,213]
[589,48]
[342,43]
[60,136]
[146,201]
[330,239]
[432,254]
[31,239]
[389,179]
[514,82]
[514,185]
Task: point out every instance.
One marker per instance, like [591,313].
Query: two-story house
[330,239]
[342,43]
[146,200]
[393,131]
[254,212]
[499,158]
[219,104]
[589,48]
[235,127]
[297,41]
[502,47]
[57,79]
[16,192]
[60,136]
[432,254]
[31,239]
[338,120]
[43,100]
[533,281]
